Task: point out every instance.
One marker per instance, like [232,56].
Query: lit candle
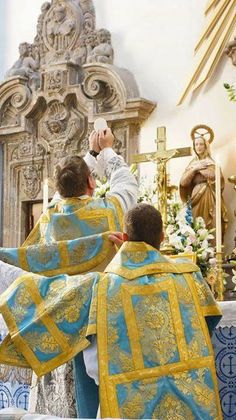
[45,195]
[218,207]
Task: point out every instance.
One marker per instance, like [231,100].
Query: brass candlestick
[232,179]
[219,286]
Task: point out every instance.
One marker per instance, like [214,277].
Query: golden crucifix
[161,157]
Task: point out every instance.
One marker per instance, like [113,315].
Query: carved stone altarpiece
[50,98]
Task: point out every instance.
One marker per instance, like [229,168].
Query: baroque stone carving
[24,149]
[103,51]
[65,32]
[60,125]
[26,65]
[32,180]
[9,115]
[54,81]
[14,98]
[61,83]
[27,148]
[61,28]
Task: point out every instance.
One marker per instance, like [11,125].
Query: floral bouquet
[186,234]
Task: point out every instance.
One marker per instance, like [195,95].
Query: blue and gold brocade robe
[155,354]
[49,319]
[70,238]
[150,316]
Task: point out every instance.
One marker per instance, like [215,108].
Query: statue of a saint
[26,65]
[60,28]
[197,185]
[103,51]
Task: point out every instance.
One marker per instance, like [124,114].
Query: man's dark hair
[143,223]
[71,176]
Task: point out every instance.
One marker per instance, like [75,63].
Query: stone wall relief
[15,96]
[32,175]
[102,89]
[60,126]
[65,33]
[27,147]
[27,64]
[52,94]
[32,157]
[62,26]
[102,52]
[122,133]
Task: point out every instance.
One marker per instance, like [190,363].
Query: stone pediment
[51,96]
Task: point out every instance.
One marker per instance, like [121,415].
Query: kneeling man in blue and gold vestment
[152,319]
[72,238]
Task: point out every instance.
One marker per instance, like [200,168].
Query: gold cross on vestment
[161,157]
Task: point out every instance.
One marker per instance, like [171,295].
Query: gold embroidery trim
[92,329]
[102,345]
[64,255]
[163,286]
[154,268]
[85,266]
[14,285]
[31,239]
[40,368]
[202,311]
[198,308]
[131,323]
[177,321]
[4,355]
[41,309]
[163,370]
[211,310]
[118,208]
[191,256]
[23,262]
[150,373]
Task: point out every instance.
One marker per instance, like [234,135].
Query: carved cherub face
[55,126]
[103,36]
[23,49]
[45,7]
[59,14]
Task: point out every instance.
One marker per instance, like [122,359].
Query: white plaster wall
[3,37]
[155,40]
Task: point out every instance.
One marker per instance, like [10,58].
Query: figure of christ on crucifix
[161,157]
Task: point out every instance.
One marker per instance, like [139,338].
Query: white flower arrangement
[186,234]
[102,187]
[234,278]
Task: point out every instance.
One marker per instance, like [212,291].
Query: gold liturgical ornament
[161,157]
[220,25]
[202,131]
